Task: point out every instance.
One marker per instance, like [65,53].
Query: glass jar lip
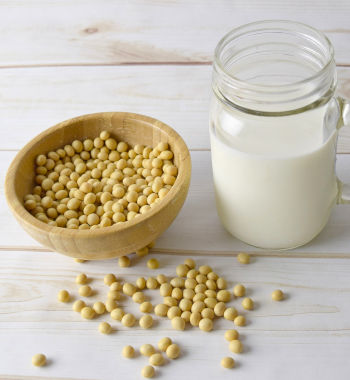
[264,23]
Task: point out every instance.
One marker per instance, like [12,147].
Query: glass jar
[273,130]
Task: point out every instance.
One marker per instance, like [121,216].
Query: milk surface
[274,178]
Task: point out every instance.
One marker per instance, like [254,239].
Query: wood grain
[312,323]
[197,229]
[137,31]
[62,93]
[176,95]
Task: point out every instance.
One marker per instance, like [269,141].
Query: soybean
[117,314]
[147,350]
[146,307]
[227,362]
[240,320]
[173,351]
[85,291]
[63,296]
[231,335]
[239,290]
[124,261]
[147,371]
[178,323]
[153,264]
[243,258]
[146,321]
[156,359]
[39,360]
[99,307]
[128,320]
[104,328]
[236,346]
[87,312]
[128,352]
[164,343]
[248,303]
[277,295]
[78,305]
[81,279]
[206,324]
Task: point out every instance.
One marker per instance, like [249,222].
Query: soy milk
[274,177]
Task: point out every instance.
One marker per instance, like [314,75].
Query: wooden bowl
[106,242]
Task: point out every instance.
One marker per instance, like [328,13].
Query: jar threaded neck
[274,67]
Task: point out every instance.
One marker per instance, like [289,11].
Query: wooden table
[64,58]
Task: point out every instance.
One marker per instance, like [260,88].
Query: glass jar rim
[242,49]
[246,29]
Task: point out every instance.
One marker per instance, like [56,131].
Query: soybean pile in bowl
[118,239]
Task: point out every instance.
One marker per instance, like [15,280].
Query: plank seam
[190,149]
[184,252]
[102,64]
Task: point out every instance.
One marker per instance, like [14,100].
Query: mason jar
[274,121]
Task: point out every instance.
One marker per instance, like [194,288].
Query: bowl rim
[18,209]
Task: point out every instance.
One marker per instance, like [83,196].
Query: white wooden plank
[108,32]
[197,228]
[35,99]
[306,335]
